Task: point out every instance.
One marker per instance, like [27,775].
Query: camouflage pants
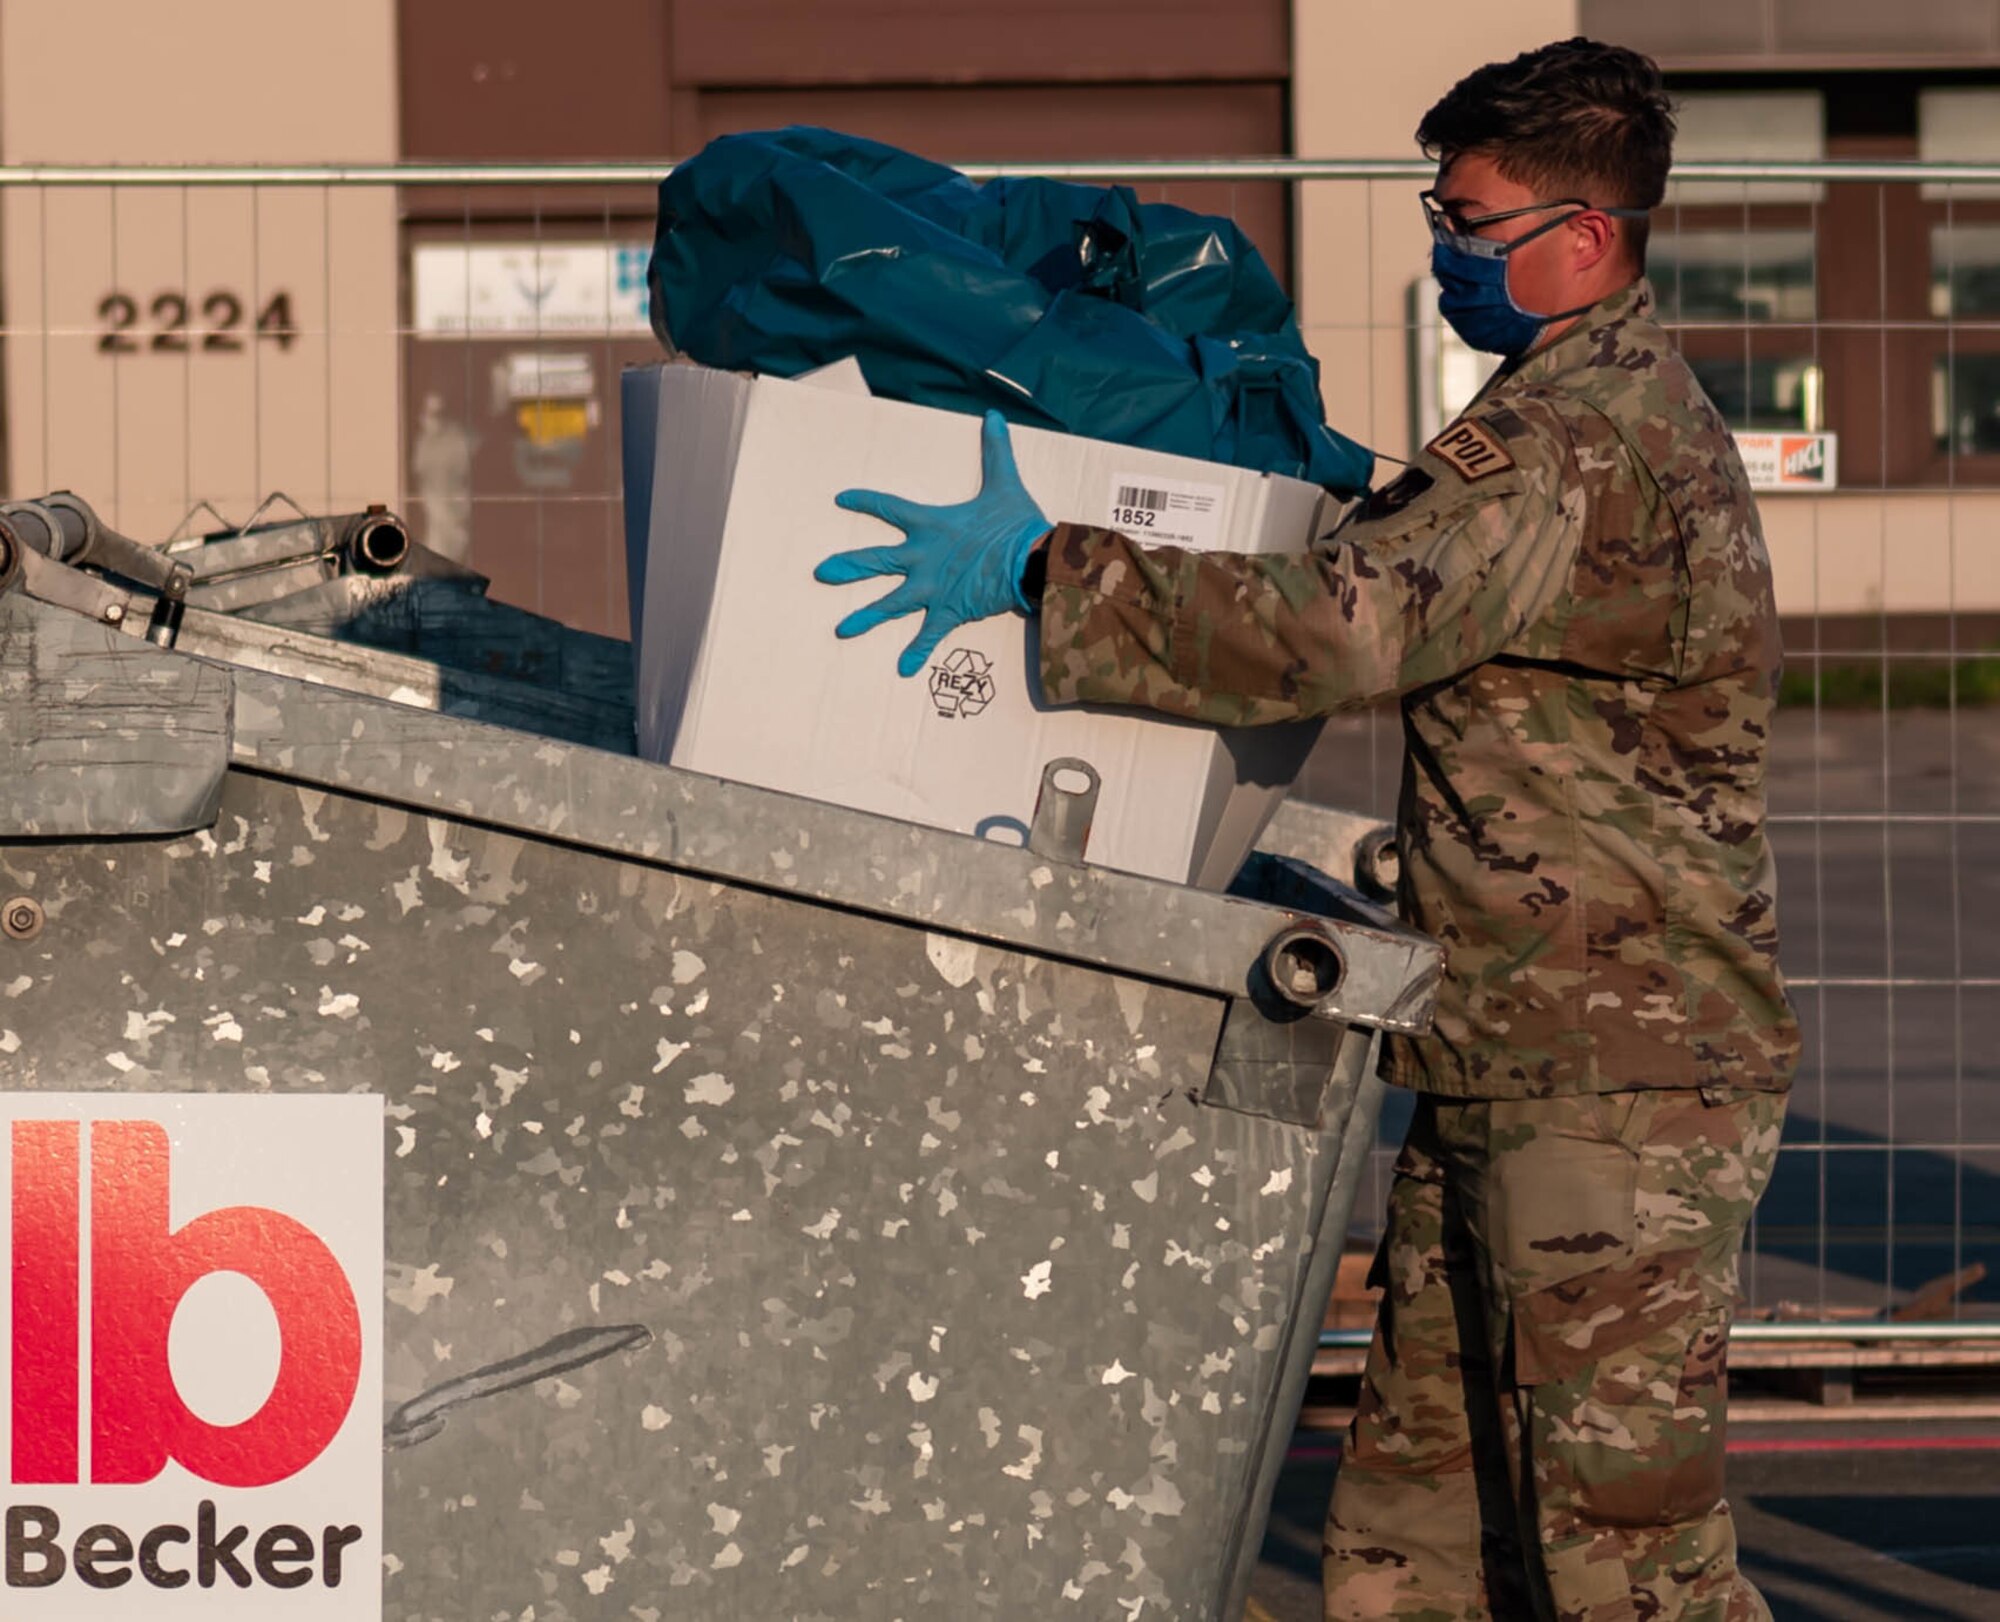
[1540,1432]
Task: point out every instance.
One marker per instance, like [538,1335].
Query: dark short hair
[1573,119]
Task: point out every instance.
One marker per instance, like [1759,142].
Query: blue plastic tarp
[1076,308]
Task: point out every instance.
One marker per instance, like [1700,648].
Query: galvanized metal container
[790,1212]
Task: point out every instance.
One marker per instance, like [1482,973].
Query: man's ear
[1592,240]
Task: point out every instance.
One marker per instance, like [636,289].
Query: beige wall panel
[209,409]
[1861,553]
[198,81]
[1364,71]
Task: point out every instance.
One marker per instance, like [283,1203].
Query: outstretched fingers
[936,628]
[996,455]
[880,504]
[864,563]
[905,599]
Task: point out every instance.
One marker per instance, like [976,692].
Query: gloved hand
[959,563]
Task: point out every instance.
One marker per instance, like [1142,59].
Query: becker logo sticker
[192,1333]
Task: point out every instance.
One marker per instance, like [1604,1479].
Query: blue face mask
[1471,273]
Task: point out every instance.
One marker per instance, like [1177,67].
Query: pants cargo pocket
[1636,1438]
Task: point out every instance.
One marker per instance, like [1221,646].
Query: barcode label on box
[1173,512]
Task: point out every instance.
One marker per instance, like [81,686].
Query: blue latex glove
[959,563]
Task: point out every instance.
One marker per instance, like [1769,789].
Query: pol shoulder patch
[1471,450]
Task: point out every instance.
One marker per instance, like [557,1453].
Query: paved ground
[1880,1526]
[1888,840]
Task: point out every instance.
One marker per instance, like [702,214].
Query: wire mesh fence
[179,343]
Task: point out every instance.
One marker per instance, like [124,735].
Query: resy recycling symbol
[192,1332]
[962,683]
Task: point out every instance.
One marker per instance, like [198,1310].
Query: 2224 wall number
[219,330]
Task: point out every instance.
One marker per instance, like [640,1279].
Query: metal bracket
[1064,810]
[80,593]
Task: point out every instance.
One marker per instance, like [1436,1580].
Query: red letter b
[140,1271]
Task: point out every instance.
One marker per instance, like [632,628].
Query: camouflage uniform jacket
[1569,591]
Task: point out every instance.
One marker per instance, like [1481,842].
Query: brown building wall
[1749,34]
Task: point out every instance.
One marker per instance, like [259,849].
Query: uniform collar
[1632,302]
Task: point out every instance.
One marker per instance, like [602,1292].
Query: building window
[1765,391]
[1734,276]
[1736,267]
[1965,405]
[1965,270]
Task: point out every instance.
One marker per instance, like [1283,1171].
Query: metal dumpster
[819,1216]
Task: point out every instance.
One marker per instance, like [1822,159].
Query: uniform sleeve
[1427,577]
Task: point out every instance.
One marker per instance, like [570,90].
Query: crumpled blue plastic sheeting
[1070,307]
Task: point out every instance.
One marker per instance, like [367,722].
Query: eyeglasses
[1458,231]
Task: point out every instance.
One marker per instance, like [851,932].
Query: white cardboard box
[729,487]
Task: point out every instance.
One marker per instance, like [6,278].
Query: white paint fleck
[1148,1187]
[667,1052]
[793,1557]
[446,864]
[444,1061]
[120,1063]
[261,871]
[709,1089]
[1161,1497]
[922,1390]
[313,919]
[415,1288]
[20,984]
[1117,1374]
[687,968]
[508,1081]
[655,1418]
[1210,1403]
[727,1556]
[482,1123]
[337,1005]
[9,1042]
[406,1140]
[144,1027]
[956,960]
[1278,1181]
[597,1579]
[223,1028]
[632,1103]
[774,1459]
[723,1520]
[825,1227]
[1121,1236]
[522,969]
[1025,1469]
[1036,1282]
[989,1426]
